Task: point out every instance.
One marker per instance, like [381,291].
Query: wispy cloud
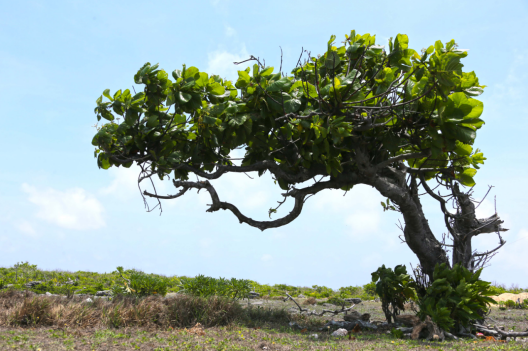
[220,62]
[71,209]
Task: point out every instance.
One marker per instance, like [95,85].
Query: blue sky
[59,211]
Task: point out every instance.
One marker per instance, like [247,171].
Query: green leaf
[152,121]
[190,72]
[266,71]
[292,105]
[238,120]
[184,97]
[131,117]
[171,99]
[419,87]
[438,47]
[332,60]
[209,120]
[466,178]
[463,149]
[282,84]
[107,94]
[216,89]
[203,80]
[243,79]
[176,74]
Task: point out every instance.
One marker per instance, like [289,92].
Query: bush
[207,286]
[370,289]
[336,301]
[394,288]
[140,284]
[510,304]
[456,296]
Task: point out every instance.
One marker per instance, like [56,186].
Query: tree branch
[298,194]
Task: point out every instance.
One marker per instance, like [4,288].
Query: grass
[30,322]
[183,322]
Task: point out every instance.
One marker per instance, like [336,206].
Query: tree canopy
[393,118]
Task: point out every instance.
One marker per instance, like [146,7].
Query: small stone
[104,293]
[340,332]
[32,284]
[48,293]
[88,300]
[353,300]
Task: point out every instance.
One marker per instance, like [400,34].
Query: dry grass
[310,301]
[24,310]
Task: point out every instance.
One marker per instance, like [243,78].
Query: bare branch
[298,194]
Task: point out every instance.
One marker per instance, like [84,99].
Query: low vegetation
[207,314]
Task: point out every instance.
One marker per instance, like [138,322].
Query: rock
[48,293]
[102,297]
[329,305]
[353,300]
[355,316]
[32,284]
[427,330]
[350,325]
[104,293]
[301,296]
[315,336]
[365,317]
[407,320]
[340,332]
[405,330]
[253,295]
[88,300]
[352,316]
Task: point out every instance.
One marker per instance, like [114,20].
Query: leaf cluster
[455,297]
[355,96]
[207,286]
[394,288]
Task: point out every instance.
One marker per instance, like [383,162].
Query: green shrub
[394,288]
[456,296]
[510,304]
[139,284]
[335,300]
[370,289]
[207,286]
[497,290]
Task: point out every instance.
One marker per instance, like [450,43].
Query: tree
[359,114]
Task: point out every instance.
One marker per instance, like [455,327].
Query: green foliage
[140,284]
[207,286]
[394,288]
[510,304]
[497,290]
[396,333]
[338,301]
[190,121]
[456,296]
[370,288]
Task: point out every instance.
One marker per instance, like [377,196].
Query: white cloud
[220,62]
[363,222]
[360,209]
[26,228]
[71,209]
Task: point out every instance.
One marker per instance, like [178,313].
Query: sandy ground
[508,296]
